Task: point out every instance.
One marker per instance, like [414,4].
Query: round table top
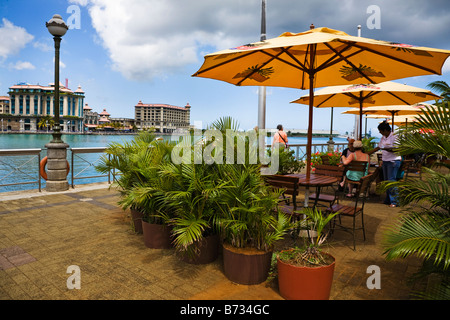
[315,180]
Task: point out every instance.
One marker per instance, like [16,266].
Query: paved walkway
[43,234]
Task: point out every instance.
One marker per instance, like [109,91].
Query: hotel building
[28,104]
[163,117]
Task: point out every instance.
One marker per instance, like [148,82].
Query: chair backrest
[404,169]
[325,159]
[288,184]
[375,173]
[328,170]
[365,184]
[363,189]
[356,165]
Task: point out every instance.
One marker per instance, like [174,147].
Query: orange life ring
[42,165]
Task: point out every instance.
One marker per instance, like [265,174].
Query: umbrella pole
[310,121]
[309,138]
[360,118]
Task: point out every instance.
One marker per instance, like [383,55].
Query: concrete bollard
[57,167]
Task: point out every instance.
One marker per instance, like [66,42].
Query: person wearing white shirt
[391,161]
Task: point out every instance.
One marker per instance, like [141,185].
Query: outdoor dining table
[315,180]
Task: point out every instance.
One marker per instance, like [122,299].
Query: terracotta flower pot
[157,236]
[137,215]
[246,266]
[208,251]
[305,283]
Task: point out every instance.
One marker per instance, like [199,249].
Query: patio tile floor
[42,234]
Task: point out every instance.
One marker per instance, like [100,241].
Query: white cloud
[22,65]
[79,2]
[42,46]
[153,38]
[12,38]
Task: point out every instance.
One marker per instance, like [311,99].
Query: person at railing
[357,155]
[391,161]
[280,137]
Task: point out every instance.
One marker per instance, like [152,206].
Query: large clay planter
[244,266]
[137,215]
[157,236]
[208,251]
[305,283]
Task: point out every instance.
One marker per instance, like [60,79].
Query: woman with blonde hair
[357,155]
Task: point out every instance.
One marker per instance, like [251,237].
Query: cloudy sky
[123,51]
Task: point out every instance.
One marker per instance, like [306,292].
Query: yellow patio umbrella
[392,111]
[317,58]
[399,120]
[364,95]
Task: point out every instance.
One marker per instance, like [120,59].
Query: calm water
[24,168]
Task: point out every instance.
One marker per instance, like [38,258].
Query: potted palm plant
[250,223]
[192,197]
[306,273]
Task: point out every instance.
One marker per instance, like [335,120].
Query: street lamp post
[57,149]
[331,142]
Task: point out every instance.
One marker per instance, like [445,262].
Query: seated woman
[357,155]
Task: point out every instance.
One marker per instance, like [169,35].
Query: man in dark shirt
[347,151]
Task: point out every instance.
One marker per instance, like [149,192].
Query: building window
[36,105]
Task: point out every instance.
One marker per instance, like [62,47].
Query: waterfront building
[29,104]
[90,118]
[123,124]
[4,105]
[163,117]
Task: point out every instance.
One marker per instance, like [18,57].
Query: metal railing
[300,149]
[77,153]
[17,170]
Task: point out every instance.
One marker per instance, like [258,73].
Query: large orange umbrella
[317,58]
[368,95]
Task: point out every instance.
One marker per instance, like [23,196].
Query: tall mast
[262,90]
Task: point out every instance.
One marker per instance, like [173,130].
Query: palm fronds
[426,236]
[424,232]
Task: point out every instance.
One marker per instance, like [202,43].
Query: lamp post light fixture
[57,149]
[57,27]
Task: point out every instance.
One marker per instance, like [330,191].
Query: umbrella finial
[311,26]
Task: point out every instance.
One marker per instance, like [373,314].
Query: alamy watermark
[74,20]
[374,280]
[74,280]
[374,20]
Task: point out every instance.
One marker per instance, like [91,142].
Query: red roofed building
[4,104]
[164,118]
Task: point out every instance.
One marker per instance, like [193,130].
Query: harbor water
[19,169]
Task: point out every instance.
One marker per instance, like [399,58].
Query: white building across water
[29,104]
[31,108]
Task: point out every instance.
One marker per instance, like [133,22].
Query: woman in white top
[391,161]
